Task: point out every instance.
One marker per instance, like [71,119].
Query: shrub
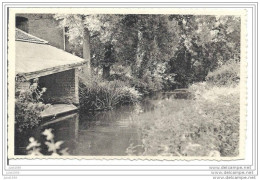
[207,126]
[98,94]
[28,107]
[222,104]
[145,85]
[228,74]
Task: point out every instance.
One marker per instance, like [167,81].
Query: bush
[228,74]
[98,94]
[145,85]
[221,104]
[206,126]
[28,107]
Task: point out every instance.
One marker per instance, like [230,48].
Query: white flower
[48,134]
[35,152]
[53,146]
[32,144]
[44,89]
[64,152]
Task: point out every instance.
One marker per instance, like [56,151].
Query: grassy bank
[207,125]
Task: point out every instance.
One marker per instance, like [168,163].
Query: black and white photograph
[125,85]
[129,89]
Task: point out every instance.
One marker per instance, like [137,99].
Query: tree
[155,50]
[205,43]
[102,27]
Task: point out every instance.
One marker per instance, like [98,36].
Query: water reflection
[107,133]
[65,129]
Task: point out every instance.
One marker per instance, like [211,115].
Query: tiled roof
[23,36]
[34,57]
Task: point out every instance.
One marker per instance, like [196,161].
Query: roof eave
[32,41]
[49,71]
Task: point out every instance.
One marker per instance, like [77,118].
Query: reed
[98,94]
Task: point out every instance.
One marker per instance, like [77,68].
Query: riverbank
[97,94]
[205,126]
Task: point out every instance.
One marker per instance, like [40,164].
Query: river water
[107,133]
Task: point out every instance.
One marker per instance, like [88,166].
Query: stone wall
[61,87]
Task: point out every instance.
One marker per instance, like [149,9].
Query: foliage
[147,84]
[205,43]
[98,94]
[170,51]
[104,24]
[221,104]
[28,107]
[146,53]
[227,75]
[102,30]
[34,149]
[205,126]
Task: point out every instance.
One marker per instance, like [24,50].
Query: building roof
[35,57]
[25,37]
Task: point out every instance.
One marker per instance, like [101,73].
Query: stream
[103,133]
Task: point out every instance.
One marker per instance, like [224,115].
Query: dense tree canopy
[156,51]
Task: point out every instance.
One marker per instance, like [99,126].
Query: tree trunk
[139,53]
[106,72]
[86,52]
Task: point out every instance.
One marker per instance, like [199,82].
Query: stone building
[43,26]
[46,27]
[42,52]
[54,69]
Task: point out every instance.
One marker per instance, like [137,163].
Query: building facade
[43,26]
[52,68]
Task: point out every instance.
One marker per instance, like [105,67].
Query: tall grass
[207,125]
[98,94]
[226,75]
